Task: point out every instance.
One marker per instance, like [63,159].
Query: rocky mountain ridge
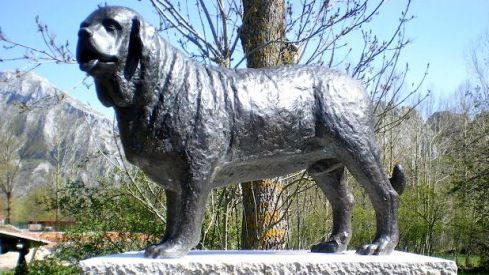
[56,135]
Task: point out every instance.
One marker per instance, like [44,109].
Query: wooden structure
[17,242]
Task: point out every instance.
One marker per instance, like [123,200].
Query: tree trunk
[262,32]
[263,226]
[262,36]
[9,208]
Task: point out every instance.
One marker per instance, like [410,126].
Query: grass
[4,271]
[467,264]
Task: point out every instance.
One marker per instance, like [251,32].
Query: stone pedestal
[268,262]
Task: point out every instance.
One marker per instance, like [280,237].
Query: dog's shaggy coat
[192,128]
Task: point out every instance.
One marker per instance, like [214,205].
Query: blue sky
[441,34]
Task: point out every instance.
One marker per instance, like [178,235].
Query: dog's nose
[84,32]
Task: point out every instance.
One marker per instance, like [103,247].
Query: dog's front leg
[173,204]
[183,230]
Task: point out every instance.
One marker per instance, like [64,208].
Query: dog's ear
[135,48]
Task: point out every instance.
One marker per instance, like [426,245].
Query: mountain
[54,133]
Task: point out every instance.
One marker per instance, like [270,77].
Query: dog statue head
[110,48]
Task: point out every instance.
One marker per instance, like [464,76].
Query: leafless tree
[9,165]
[479,65]
[51,51]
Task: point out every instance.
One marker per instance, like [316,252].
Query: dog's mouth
[90,59]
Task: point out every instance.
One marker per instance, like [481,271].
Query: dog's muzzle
[89,57]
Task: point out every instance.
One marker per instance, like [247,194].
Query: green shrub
[51,266]
[461,261]
[7,272]
[473,262]
[107,220]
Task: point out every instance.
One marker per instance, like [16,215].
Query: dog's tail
[398,180]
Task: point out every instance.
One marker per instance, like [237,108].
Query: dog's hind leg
[330,177]
[364,164]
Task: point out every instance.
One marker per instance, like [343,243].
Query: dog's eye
[111,25]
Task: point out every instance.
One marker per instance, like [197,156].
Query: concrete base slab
[268,262]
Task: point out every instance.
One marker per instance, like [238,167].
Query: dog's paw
[380,246]
[336,243]
[331,246]
[166,250]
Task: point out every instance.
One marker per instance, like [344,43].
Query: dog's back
[284,119]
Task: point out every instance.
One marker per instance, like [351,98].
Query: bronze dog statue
[192,128]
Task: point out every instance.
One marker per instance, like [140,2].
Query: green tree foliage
[53,266]
[470,159]
[106,219]
[423,215]
[470,178]
[363,219]
[31,207]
